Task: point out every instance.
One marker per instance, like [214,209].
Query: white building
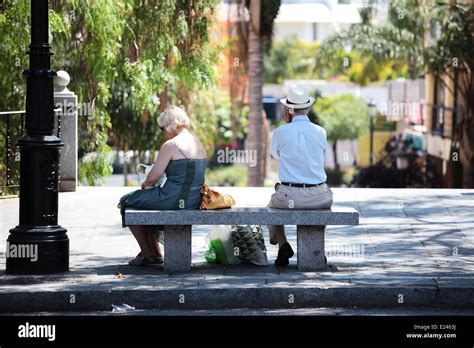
[313,20]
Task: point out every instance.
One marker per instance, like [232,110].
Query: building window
[437,124]
[456,108]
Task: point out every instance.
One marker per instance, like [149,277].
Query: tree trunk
[125,167]
[255,176]
[466,142]
[467,155]
[183,97]
[265,132]
[236,110]
[163,99]
[237,82]
[334,152]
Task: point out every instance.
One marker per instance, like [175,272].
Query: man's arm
[325,145]
[274,152]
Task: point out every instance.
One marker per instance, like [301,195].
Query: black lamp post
[372,113]
[38,245]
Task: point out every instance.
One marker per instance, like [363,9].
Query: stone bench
[178,227]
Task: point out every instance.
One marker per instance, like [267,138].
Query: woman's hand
[164,157]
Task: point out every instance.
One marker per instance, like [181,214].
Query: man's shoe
[285,253]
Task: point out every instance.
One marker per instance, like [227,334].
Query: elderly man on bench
[300,148]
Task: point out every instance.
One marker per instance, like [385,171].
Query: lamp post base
[37,250]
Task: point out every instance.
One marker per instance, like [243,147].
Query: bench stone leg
[177,248]
[310,248]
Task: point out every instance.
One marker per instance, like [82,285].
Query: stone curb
[254,297]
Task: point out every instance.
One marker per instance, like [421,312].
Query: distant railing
[12,125]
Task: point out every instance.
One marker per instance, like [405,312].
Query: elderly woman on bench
[183,159]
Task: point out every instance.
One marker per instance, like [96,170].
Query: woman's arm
[164,158]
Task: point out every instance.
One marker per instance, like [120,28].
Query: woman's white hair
[172,118]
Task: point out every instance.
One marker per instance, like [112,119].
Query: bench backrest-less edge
[238,216]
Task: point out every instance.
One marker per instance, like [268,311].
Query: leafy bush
[111,44]
[339,177]
[295,59]
[379,176]
[235,175]
[344,117]
[290,59]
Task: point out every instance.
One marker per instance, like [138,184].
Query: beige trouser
[286,197]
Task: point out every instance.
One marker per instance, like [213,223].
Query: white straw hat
[298,98]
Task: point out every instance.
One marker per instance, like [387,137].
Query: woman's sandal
[141,260]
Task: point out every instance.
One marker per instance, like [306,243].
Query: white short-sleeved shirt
[300,148]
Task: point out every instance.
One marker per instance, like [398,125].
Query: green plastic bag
[221,246]
[210,254]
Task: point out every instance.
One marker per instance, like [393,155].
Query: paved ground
[413,248]
[404,312]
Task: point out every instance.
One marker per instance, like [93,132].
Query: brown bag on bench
[211,200]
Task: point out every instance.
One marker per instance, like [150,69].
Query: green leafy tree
[344,117]
[13,50]
[289,59]
[87,40]
[294,59]
[81,37]
[398,43]
[170,60]
[12,82]
[121,56]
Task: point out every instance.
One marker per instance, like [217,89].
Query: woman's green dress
[181,190]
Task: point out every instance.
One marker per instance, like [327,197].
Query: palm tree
[254,141]
[260,33]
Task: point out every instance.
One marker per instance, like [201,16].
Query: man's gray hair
[300,111]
